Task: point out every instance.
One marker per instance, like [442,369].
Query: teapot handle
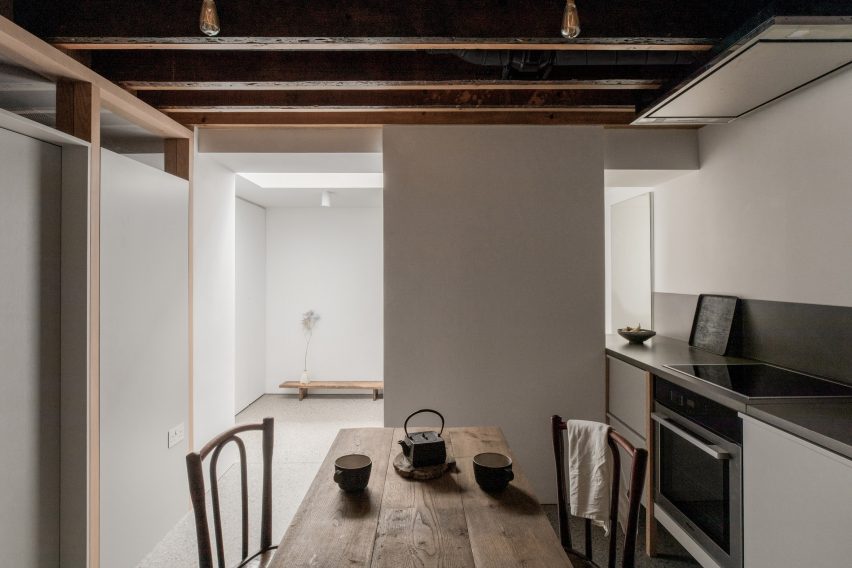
[405,426]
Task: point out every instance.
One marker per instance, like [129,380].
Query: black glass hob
[765,381]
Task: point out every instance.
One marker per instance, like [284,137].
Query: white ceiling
[311,197]
[341,162]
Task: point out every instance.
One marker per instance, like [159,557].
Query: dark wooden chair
[637,480]
[195,471]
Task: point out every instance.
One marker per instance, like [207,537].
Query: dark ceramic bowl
[637,336]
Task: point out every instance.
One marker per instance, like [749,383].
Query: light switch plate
[176,435]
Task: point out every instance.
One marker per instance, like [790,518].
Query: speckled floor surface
[304,432]
[671,554]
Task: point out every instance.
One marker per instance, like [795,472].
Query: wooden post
[650,521]
[78,112]
[177,154]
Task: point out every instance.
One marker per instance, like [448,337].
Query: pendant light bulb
[326,199]
[209,20]
[570,20]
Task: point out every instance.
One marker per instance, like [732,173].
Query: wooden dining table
[398,522]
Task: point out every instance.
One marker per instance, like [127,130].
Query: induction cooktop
[765,381]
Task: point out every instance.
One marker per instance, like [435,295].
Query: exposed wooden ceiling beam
[494,116]
[326,68]
[183,101]
[386,18]
[380,43]
[589,84]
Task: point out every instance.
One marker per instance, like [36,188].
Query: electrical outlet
[176,435]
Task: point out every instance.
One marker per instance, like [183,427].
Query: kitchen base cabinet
[797,501]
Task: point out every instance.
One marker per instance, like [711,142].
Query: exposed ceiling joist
[171,101]
[351,66]
[201,86]
[379,43]
[379,117]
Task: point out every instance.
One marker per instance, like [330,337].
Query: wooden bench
[375,386]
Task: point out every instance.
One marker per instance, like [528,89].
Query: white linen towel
[589,471]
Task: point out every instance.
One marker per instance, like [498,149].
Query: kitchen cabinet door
[797,501]
[627,396]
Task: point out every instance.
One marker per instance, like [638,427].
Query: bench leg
[375,394]
[302,393]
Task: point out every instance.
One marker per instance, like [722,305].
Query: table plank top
[397,522]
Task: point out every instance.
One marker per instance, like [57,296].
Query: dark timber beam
[386,18]
[379,43]
[7,9]
[484,116]
[324,69]
[184,101]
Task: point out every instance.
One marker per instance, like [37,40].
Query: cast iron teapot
[424,448]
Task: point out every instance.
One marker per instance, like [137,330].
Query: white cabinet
[626,412]
[797,501]
[627,395]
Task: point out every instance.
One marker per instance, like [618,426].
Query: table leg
[302,393]
[375,394]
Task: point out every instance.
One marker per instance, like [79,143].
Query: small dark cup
[352,472]
[493,471]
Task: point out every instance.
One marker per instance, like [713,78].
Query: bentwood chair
[637,480]
[194,469]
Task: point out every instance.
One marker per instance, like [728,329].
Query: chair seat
[262,560]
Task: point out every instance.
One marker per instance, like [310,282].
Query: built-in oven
[699,469]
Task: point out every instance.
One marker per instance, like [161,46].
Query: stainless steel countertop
[825,423]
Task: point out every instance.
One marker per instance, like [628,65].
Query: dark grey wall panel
[806,337]
[811,338]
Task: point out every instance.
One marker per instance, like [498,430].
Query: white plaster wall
[615,195]
[145,355]
[768,214]
[494,280]
[630,249]
[328,260]
[250,380]
[214,298]
[30,209]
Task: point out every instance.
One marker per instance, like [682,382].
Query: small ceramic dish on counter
[636,335]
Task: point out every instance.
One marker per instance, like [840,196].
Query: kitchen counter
[825,423]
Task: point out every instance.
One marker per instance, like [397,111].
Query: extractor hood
[775,57]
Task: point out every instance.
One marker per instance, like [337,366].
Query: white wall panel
[250,380]
[328,260]
[144,356]
[30,212]
[767,216]
[494,280]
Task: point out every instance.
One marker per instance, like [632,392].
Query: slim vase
[305,378]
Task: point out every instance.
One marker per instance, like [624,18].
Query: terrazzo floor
[304,431]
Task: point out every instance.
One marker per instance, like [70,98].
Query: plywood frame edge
[650,478]
[27,50]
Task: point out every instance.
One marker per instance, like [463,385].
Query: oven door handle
[715,451]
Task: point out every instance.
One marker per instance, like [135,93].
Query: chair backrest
[197,491]
[637,480]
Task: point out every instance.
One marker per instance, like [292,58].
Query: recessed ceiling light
[316,180]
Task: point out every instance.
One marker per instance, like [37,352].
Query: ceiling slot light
[318,180]
[326,198]
[570,20]
[209,20]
